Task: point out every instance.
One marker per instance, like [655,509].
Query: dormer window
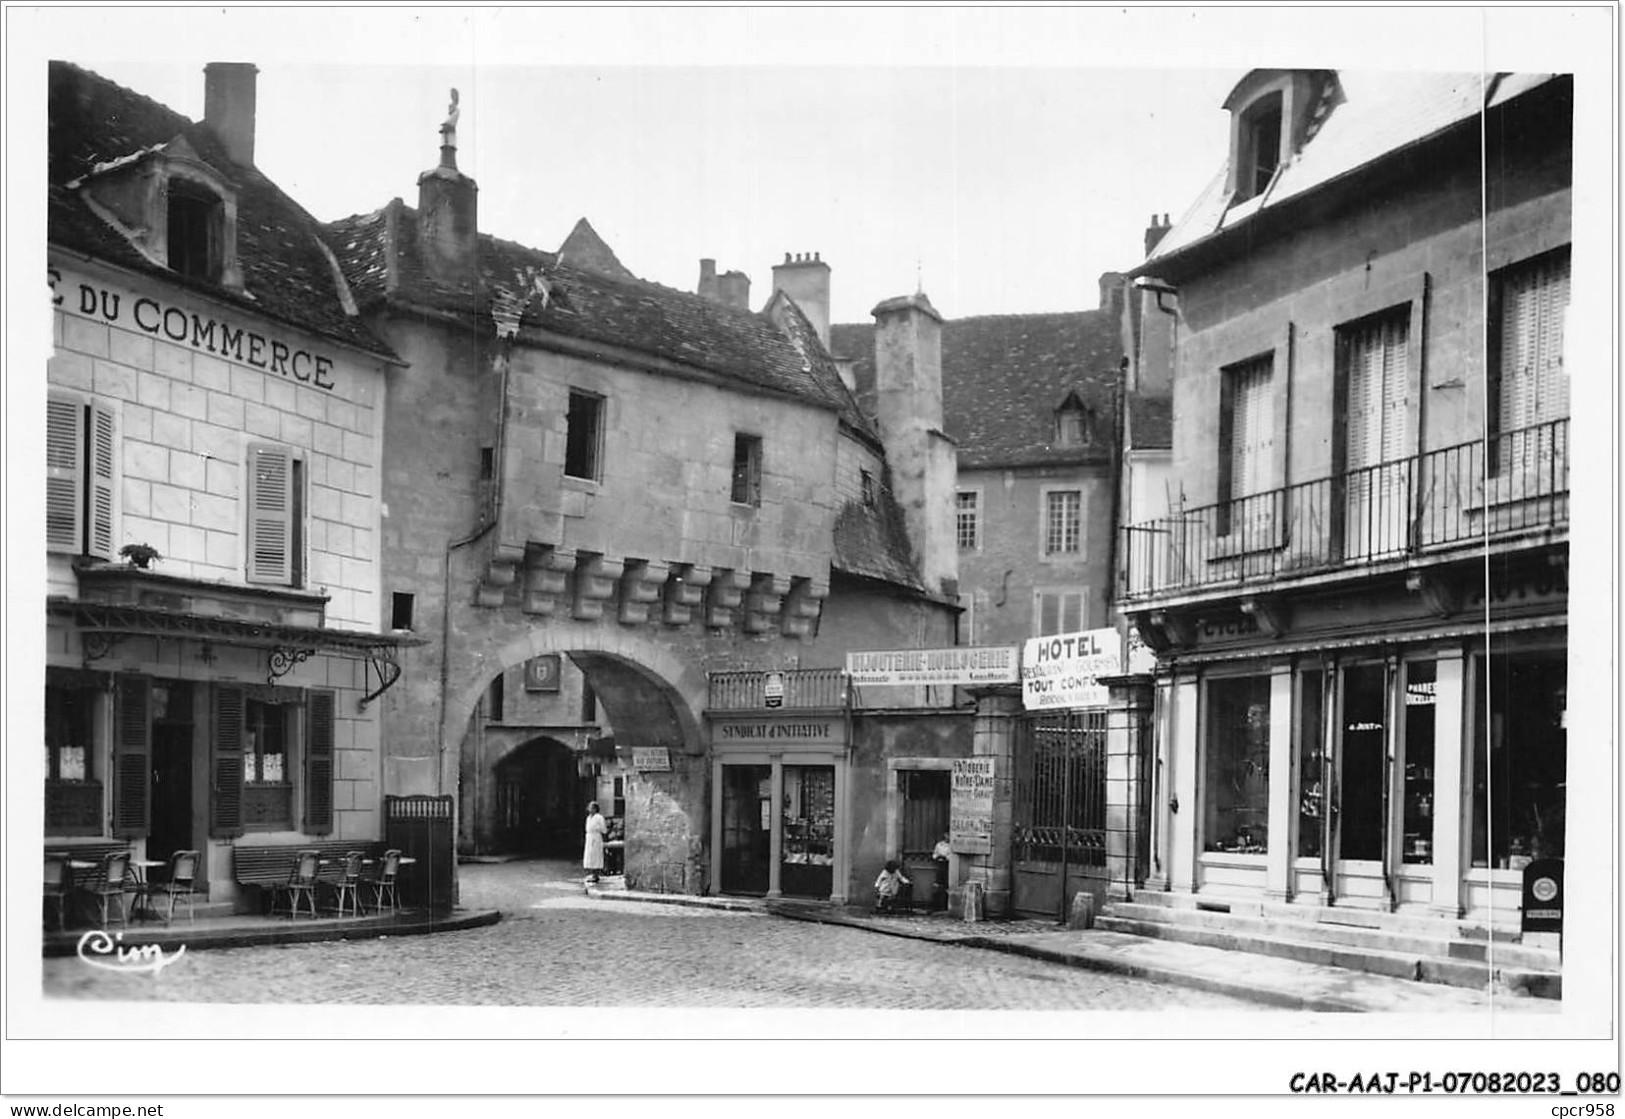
[194,221]
[1260,147]
[1074,423]
[178,211]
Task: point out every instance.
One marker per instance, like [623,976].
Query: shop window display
[1420,718]
[1311,765]
[808,856]
[1236,775]
[1520,758]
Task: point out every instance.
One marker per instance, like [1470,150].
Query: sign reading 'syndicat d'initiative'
[970,806]
[1064,670]
[963,666]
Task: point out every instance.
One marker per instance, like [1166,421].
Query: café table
[142,907]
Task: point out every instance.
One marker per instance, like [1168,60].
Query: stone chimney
[1154,232]
[908,411]
[448,214]
[1111,293]
[805,278]
[731,289]
[228,107]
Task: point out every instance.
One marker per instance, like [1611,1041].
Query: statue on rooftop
[448,130]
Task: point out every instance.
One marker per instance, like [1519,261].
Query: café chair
[110,884]
[349,885]
[181,884]
[384,883]
[57,884]
[301,884]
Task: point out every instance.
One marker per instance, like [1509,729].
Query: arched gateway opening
[555,728]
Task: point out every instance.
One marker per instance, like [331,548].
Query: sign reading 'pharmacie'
[146,315]
[1064,670]
[960,666]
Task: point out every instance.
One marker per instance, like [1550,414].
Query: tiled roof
[614,309]
[1374,114]
[1003,377]
[871,541]
[285,271]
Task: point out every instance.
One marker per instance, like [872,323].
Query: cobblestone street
[555,946]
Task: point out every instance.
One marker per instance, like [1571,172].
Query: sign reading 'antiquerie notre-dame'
[128,311]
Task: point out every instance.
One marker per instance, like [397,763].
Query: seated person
[888,885]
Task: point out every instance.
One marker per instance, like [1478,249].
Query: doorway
[925,795]
[171,777]
[747,821]
[1364,776]
[540,801]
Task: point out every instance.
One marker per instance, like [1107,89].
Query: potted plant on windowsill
[139,556]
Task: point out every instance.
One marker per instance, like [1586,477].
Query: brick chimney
[228,107]
[908,411]
[805,278]
[448,214]
[1154,232]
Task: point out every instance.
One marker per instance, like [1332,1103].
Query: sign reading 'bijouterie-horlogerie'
[994,664]
[1065,670]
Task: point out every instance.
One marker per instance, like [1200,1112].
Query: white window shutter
[270,514]
[64,473]
[1252,429]
[103,452]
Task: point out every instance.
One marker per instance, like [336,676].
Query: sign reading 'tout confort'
[142,313]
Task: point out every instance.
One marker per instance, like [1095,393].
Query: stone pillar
[775,835]
[1278,856]
[1126,740]
[997,710]
[1451,782]
[841,872]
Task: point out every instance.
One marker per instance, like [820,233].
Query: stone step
[1251,905]
[1401,965]
[1304,926]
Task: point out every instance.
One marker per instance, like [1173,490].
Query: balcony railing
[1430,503]
[804,688]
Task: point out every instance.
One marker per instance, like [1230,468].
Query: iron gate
[1059,825]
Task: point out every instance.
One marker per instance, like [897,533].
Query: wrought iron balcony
[804,689]
[1448,500]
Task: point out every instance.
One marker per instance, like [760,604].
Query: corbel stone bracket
[641,587]
[1269,613]
[727,590]
[500,572]
[764,601]
[546,572]
[1442,595]
[803,606]
[596,577]
[685,589]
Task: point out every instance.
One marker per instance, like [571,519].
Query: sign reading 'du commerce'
[1064,670]
[961,666]
[970,806]
[129,311]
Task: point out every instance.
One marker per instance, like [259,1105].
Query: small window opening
[1260,152]
[495,700]
[583,435]
[747,475]
[866,483]
[487,463]
[400,614]
[194,225]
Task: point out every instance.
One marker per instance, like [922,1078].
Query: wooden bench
[271,864]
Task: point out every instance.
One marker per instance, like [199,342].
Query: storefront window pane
[1420,719]
[1311,776]
[808,854]
[1520,758]
[1237,766]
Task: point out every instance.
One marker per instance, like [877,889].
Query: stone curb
[688,900]
[260,936]
[1290,1000]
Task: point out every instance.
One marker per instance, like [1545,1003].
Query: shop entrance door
[925,821]
[171,777]
[1364,778]
[747,820]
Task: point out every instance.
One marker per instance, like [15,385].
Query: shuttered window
[1059,612]
[132,757]
[1531,302]
[272,498]
[226,762]
[80,455]
[320,762]
[1377,367]
[1246,433]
